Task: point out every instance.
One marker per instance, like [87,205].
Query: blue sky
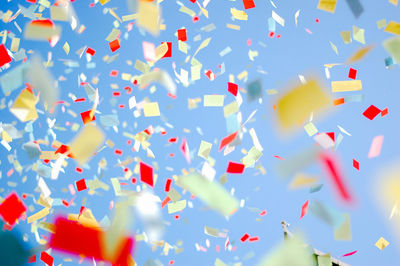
[296,52]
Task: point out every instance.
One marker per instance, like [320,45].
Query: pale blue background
[296,52]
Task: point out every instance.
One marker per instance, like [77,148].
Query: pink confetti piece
[376,146]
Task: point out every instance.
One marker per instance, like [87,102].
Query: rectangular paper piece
[212,193]
[296,106]
[346,85]
[213,100]
[86,143]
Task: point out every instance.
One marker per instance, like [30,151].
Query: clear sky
[301,49]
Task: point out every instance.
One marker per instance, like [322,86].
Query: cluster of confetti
[160,132]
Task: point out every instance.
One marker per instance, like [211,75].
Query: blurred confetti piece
[392,46]
[90,242]
[291,252]
[355,7]
[381,243]
[336,178]
[376,146]
[149,15]
[86,143]
[41,79]
[301,180]
[151,109]
[359,54]
[41,30]
[343,232]
[296,105]
[24,107]
[304,209]
[213,194]
[12,208]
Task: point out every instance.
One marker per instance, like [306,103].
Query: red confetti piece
[4,56]
[225,141]
[12,208]
[114,45]
[384,112]
[331,135]
[233,88]
[90,51]
[86,117]
[168,184]
[244,237]
[371,112]
[350,253]
[165,201]
[248,4]
[79,170]
[336,177]
[264,212]
[81,185]
[271,34]
[46,258]
[304,209]
[114,73]
[185,150]
[352,73]
[74,238]
[169,52]
[182,35]
[118,152]
[254,239]
[193,1]
[173,140]
[356,164]
[32,259]
[146,174]
[338,101]
[80,100]
[235,168]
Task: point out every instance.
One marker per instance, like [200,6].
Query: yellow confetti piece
[204,150]
[24,107]
[359,54]
[38,215]
[327,5]
[394,2]
[66,48]
[15,44]
[347,85]
[213,100]
[232,26]
[149,16]
[86,143]
[393,27]
[239,14]
[346,36]
[334,48]
[358,34]
[381,243]
[296,105]
[381,23]
[151,109]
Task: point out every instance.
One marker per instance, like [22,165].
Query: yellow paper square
[213,100]
[381,243]
[151,109]
[327,5]
[149,16]
[86,143]
[296,106]
[393,27]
